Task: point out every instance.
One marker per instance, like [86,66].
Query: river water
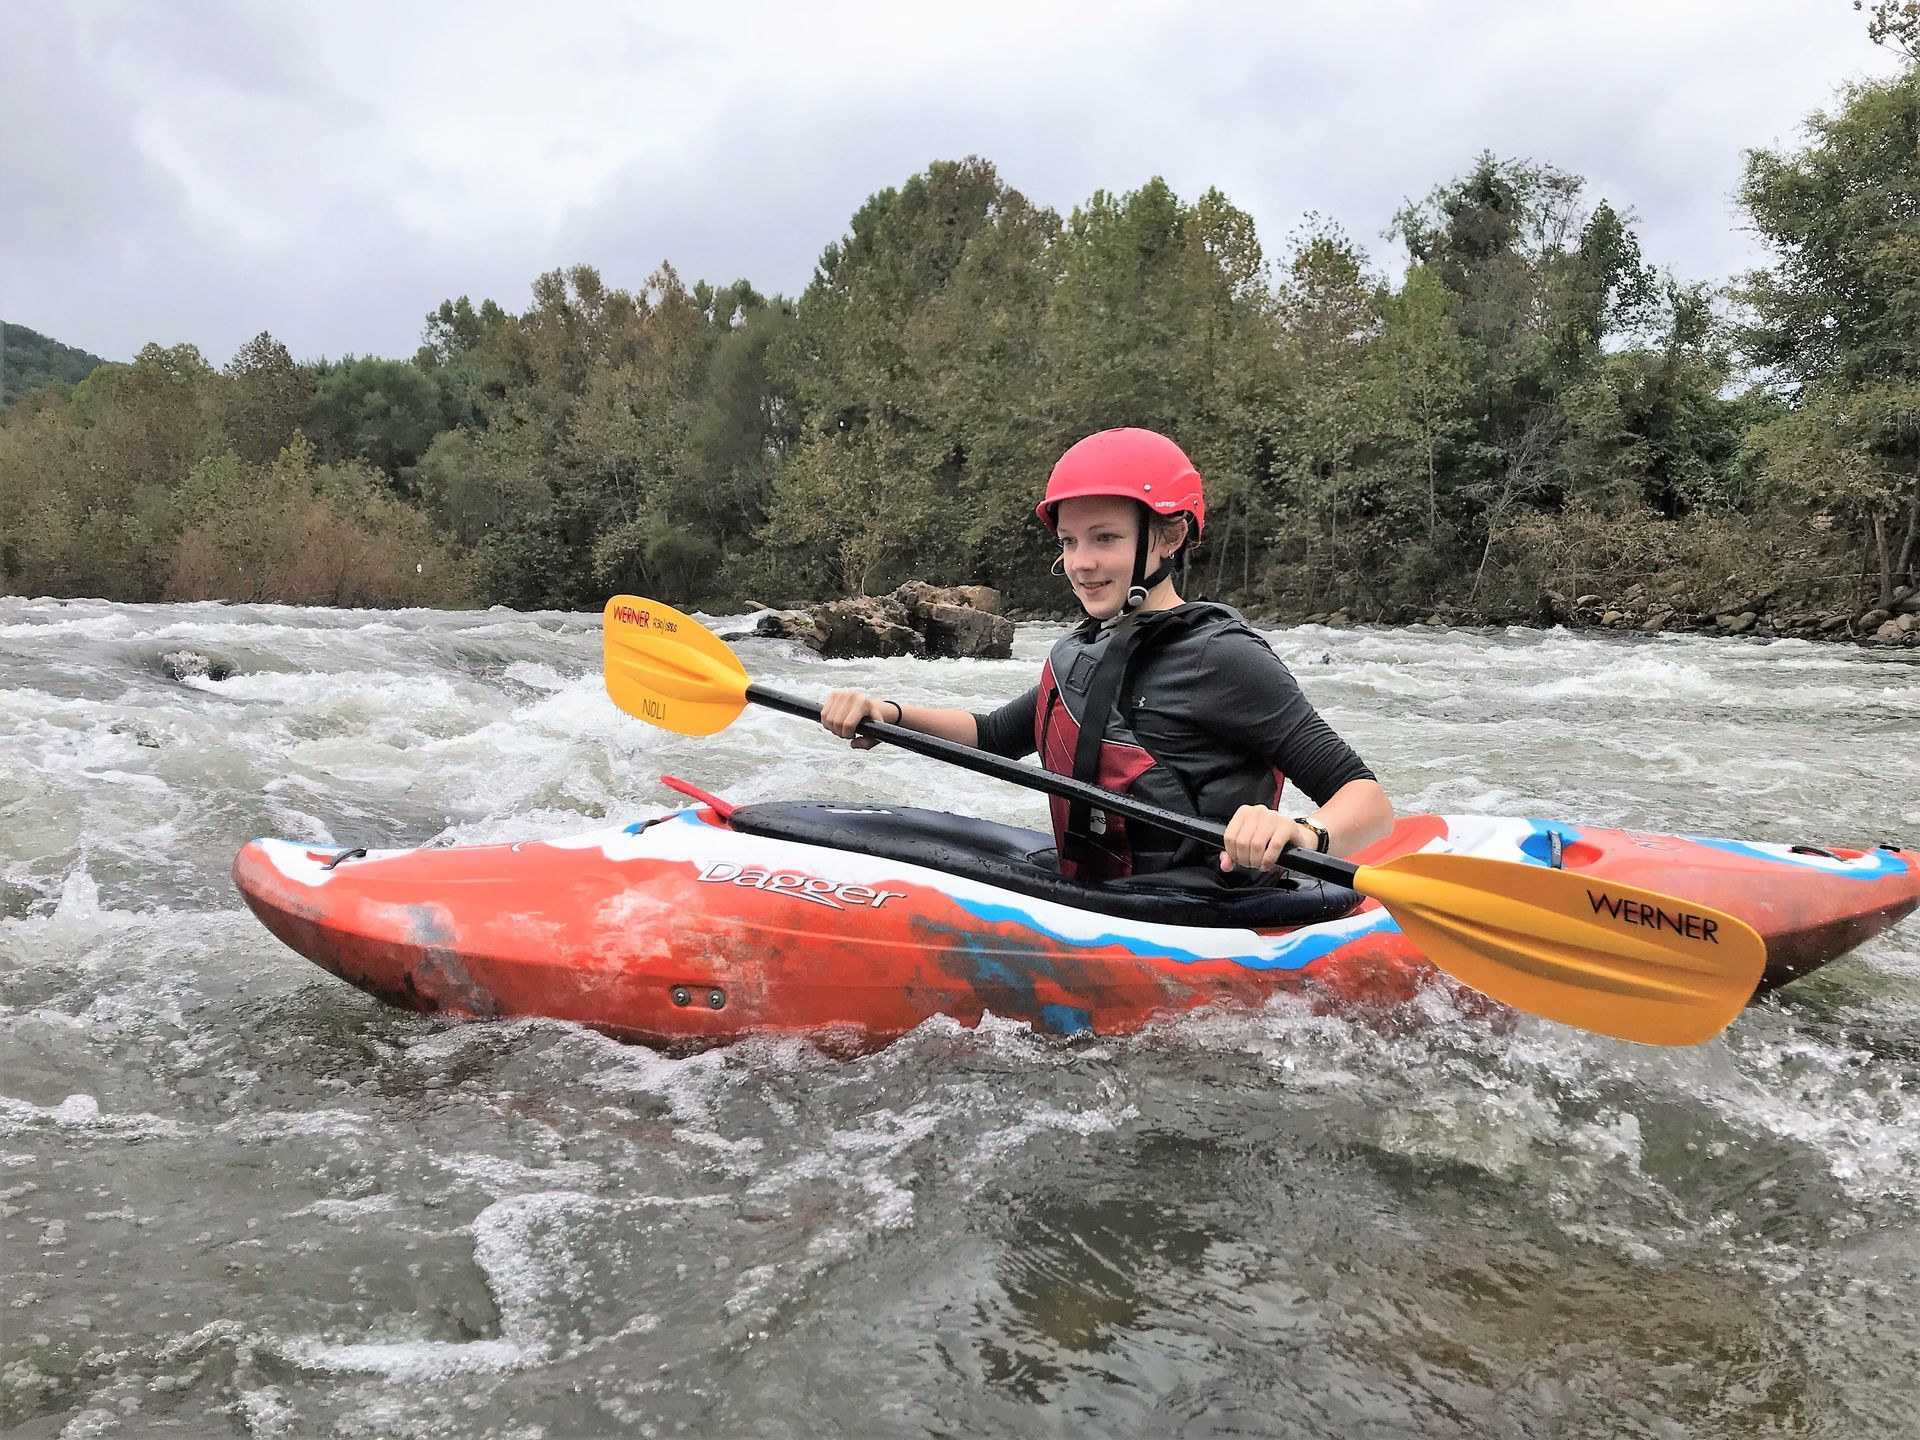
[239,1197]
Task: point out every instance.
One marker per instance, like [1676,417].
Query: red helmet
[1138,465]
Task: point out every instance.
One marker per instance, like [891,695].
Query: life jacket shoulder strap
[1102,694]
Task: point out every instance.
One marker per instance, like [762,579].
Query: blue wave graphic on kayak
[1293,952]
[1065,1020]
[1873,865]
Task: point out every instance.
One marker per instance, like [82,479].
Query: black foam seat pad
[1023,861]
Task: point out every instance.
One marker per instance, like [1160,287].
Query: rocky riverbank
[1651,610]
[969,620]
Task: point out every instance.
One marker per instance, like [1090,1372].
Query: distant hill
[29,360]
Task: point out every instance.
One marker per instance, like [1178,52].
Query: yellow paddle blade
[668,668]
[1615,959]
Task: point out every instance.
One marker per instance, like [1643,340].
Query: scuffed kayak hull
[686,931]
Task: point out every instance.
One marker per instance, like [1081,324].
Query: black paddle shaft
[967,757]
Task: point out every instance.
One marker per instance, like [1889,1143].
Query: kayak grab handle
[724,809]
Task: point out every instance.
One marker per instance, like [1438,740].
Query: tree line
[1528,407]
[29,360]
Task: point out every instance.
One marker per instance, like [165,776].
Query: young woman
[1179,704]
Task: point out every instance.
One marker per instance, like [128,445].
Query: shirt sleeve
[1254,701]
[1008,731]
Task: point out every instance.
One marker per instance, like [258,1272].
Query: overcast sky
[202,170]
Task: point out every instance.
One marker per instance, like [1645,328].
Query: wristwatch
[1322,840]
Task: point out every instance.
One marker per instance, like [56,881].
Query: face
[1097,537]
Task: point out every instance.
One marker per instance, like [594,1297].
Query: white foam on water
[752,1285]
[864,1157]
[1517,1099]
[540,676]
[408,1359]
[1638,677]
[361,695]
[79,903]
[694,1090]
[534,1253]
[1859,1116]
[82,1115]
[437,1049]
[520,1245]
[351,1211]
[136,1009]
[274,1126]
[266,1411]
[1048,1119]
[1508,1132]
[504,1177]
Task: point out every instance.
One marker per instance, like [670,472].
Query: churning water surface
[239,1197]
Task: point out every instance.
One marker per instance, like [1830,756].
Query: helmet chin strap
[1144,584]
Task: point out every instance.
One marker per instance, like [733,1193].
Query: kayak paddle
[1613,959]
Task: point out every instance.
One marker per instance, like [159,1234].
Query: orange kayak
[859,922]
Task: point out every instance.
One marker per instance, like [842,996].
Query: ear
[1176,539]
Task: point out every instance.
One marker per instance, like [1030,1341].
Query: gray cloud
[75,180]
[204,172]
[225,42]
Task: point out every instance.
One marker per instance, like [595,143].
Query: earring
[1059,566]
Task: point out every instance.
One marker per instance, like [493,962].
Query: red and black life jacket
[1092,671]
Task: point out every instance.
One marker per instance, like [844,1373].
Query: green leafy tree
[1894,24]
[1652,426]
[1544,283]
[1836,318]
[857,510]
[743,423]
[607,427]
[385,412]
[264,398]
[1842,296]
[911,361]
[1163,318]
[1848,454]
[1320,493]
[458,329]
[148,422]
[1420,376]
[40,455]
